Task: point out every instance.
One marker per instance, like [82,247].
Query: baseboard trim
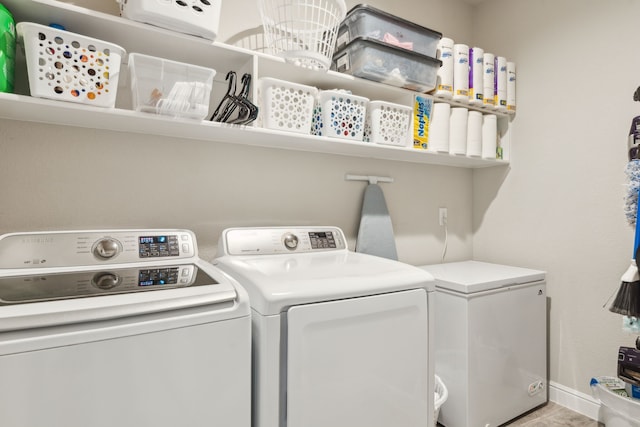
[574,400]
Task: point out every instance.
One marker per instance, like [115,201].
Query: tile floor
[552,415]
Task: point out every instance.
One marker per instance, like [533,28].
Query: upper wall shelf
[137,37]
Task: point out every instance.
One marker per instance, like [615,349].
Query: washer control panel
[281,240]
[85,248]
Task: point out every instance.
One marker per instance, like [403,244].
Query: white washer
[491,341]
[120,328]
[340,339]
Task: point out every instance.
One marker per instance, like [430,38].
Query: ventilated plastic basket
[170,88]
[285,106]
[388,123]
[196,17]
[303,32]
[440,396]
[339,114]
[70,67]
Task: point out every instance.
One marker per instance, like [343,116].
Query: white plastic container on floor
[616,410]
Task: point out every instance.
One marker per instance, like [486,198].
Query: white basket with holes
[339,114]
[303,32]
[196,17]
[388,123]
[285,106]
[70,67]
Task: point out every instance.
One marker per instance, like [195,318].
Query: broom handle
[636,243]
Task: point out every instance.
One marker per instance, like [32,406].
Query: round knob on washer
[106,248]
[106,280]
[290,241]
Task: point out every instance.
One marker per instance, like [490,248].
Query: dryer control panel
[281,240]
[89,248]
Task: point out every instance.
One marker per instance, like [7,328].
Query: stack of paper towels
[442,128]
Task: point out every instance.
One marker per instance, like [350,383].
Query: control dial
[290,241]
[105,280]
[106,248]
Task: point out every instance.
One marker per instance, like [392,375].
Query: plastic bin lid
[387,15]
[371,42]
[469,277]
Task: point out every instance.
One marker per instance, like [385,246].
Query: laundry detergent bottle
[7,49]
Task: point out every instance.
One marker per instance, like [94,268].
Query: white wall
[559,205]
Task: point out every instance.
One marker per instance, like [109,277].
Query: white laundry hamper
[617,410]
[303,32]
[440,396]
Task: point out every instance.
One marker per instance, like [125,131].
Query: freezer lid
[469,277]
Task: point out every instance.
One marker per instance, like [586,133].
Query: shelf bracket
[370,178]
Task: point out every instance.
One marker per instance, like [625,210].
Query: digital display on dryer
[322,240]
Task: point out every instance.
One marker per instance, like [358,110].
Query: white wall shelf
[137,37]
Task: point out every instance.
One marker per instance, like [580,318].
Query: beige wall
[559,206]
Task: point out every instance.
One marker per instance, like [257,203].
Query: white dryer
[340,339]
[120,328]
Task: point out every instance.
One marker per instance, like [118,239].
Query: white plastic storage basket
[285,106]
[196,17]
[339,114]
[70,67]
[388,123]
[303,32]
[440,396]
[168,87]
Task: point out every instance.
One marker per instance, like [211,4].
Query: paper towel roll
[444,82]
[511,86]
[439,128]
[500,91]
[489,136]
[458,130]
[476,77]
[474,134]
[461,72]
[488,73]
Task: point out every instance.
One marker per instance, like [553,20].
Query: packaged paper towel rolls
[474,134]
[461,72]
[500,92]
[511,86]
[439,128]
[476,78]
[444,82]
[458,130]
[488,76]
[489,136]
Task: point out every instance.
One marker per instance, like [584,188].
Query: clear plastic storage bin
[366,21]
[339,114]
[285,106]
[617,409]
[196,17]
[388,123]
[170,88]
[377,61]
[70,67]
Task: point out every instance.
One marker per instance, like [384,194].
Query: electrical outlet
[442,216]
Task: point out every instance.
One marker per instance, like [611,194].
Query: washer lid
[469,277]
[276,282]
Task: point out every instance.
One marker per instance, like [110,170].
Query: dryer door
[360,362]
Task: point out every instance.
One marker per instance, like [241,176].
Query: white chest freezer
[491,341]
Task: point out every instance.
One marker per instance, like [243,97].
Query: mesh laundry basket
[441,395]
[285,106]
[302,31]
[70,67]
[339,114]
[388,123]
